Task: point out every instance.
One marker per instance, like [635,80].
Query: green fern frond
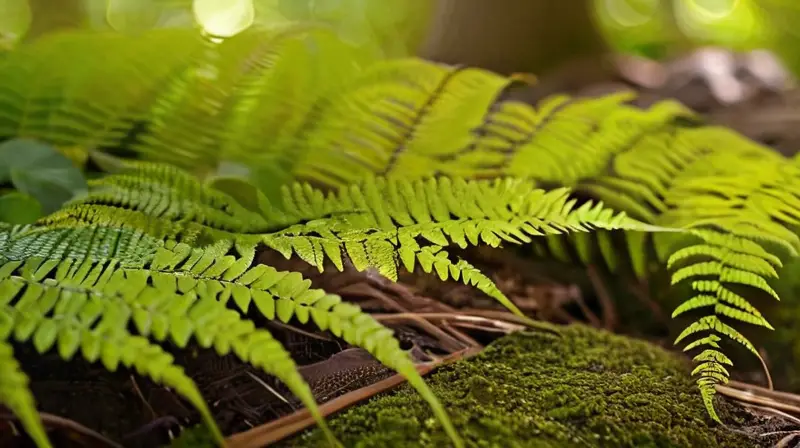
[172,96]
[659,165]
[284,295]
[380,224]
[85,104]
[404,116]
[385,223]
[87,304]
[163,201]
[14,391]
[270,104]
[129,247]
[207,113]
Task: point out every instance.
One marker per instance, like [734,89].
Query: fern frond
[129,247]
[84,104]
[385,223]
[14,391]
[660,165]
[270,104]
[380,224]
[87,306]
[163,201]
[180,293]
[404,116]
[285,295]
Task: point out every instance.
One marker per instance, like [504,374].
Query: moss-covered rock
[585,388]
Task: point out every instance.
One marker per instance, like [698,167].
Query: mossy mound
[586,388]
[783,345]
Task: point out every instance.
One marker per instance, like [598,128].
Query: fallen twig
[500,324]
[448,342]
[69,425]
[767,392]
[606,302]
[758,396]
[295,422]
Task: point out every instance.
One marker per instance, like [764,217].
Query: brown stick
[365,290]
[65,423]
[775,394]
[609,310]
[456,317]
[279,429]
[760,399]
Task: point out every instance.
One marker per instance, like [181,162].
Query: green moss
[195,437]
[783,345]
[586,388]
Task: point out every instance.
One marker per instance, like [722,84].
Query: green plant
[736,202]
[661,165]
[152,255]
[41,177]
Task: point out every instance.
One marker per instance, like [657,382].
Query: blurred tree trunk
[519,36]
[55,15]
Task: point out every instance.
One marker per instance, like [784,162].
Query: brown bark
[513,36]
[55,15]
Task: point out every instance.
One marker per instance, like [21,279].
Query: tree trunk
[55,15]
[513,36]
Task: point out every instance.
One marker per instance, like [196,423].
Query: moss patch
[783,345]
[586,388]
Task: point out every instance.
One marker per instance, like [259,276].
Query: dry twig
[283,427]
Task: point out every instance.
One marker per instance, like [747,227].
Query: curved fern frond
[660,165]
[163,201]
[237,94]
[385,223]
[270,104]
[403,116]
[285,295]
[380,224]
[84,104]
[14,391]
[88,305]
[129,247]
[179,293]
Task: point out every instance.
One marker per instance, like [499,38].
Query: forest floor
[586,387]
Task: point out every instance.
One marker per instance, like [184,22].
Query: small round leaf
[39,170]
